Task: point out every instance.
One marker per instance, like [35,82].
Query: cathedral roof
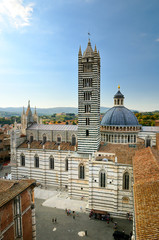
[64,146]
[89,51]
[57,127]
[119,116]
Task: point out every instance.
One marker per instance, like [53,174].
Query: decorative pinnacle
[29,103]
[35,110]
[119,87]
[95,49]
[23,110]
[80,52]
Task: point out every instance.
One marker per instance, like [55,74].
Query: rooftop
[124,152]
[150,129]
[119,116]
[10,189]
[146,186]
[54,127]
[64,146]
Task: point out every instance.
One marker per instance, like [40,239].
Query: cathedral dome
[119,116]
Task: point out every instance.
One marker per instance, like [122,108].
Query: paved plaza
[67,228]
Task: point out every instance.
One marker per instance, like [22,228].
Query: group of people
[104,217]
[71,213]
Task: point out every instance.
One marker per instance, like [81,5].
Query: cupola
[118,98]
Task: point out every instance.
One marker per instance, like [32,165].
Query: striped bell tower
[88,100]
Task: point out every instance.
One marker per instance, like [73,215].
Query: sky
[40,39]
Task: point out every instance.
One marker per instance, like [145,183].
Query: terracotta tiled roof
[49,145]
[12,188]
[146,194]
[123,152]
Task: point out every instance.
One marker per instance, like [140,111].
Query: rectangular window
[59,139]
[22,160]
[87,96]
[87,121]
[17,217]
[51,163]
[87,82]
[37,162]
[87,108]
[66,165]
[87,133]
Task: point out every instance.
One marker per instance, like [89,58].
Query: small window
[87,133]
[58,139]
[87,96]
[22,160]
[66,165]
[148,142]
[87,121]
[51,163]
[73,140]
[126,181]
[87,108]
[36,161]
[102,179]
[17,217]
[31,139]
[44,139]
[81,171]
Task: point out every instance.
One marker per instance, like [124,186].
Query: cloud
[15,13]
[157,40]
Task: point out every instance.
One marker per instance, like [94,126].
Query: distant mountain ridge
[45,111]
[10,111]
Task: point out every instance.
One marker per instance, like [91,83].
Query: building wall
[7,224]
[110,197]
[66,136]
[151,135]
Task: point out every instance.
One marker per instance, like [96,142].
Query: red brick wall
[9,235]
[157,141]
[27,225]
[25,199]
[6,215]
[27,217]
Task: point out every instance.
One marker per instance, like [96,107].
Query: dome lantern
[118,98]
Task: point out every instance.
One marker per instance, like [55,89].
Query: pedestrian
[115,225]
[55,220]
[74,215]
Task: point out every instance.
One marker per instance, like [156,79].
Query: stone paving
[66,227]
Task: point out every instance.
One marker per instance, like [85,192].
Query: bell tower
[88,100]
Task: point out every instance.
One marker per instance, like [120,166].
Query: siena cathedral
[91,161]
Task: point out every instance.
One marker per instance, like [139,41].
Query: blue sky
[40,39]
